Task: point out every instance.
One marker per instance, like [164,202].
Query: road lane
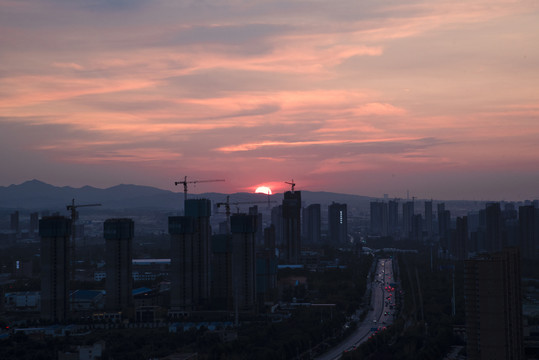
[380,314]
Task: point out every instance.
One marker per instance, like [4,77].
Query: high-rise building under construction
[243,229]
[54,232]
[190,256]
[292,226]
[118,235]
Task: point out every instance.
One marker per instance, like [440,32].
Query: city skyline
[360,98]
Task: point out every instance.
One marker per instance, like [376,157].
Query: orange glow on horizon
[263,190]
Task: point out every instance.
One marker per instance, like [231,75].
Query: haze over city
[438,98]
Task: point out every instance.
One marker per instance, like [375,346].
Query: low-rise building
[23,301]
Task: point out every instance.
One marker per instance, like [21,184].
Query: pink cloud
[273,90]
[71,65]
[253,146]
[31,90]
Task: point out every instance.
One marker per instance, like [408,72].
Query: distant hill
[35,194]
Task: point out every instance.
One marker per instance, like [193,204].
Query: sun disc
[263,190]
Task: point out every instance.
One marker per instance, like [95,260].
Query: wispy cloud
[253,146]
[271,89]
[72,66]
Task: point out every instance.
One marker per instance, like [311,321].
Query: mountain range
[37,195]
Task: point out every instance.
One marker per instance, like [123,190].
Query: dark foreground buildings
[118,235]
[493,306]
[243,261]
[528,217]
[190,256]
[312,221]
[338,223]
[55,232]
[292,226]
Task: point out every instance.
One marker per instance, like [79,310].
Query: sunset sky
[365,97]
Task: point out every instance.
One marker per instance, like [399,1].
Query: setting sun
[263,190]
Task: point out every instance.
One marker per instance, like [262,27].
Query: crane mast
[291,183]
[74,217]
[227,204]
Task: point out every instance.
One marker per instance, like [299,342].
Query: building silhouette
[54,232]
[190,256]
[459,245]
[221,272]
[393,217]
[444,218]
[34,223]
[379,218]
[266,268]
[118,235]
[494,306]
[417,228]
[442,226]
[266,276]
[428,218]
[182,232]
[528,219]
[14,222]
[259,235]
[444,223]
[243,229]
[493,233]
[338,223]
[407,218]
[292,226]
[478,238]
[277,221]
[269,238]
[312,219]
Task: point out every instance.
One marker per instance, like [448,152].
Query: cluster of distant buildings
[234,271]
[487,230]
[491,242]
[28,231]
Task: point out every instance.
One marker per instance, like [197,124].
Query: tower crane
[184,182]
[74,217]
[73,209]
[291,183]
[227,204]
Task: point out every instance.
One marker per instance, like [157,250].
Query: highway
[380,315]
